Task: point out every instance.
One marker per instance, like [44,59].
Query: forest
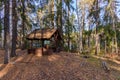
[40,38]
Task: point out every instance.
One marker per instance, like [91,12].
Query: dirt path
[59,66]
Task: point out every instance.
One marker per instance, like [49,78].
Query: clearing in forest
[58,66]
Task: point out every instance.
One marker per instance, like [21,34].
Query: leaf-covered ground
[58,66]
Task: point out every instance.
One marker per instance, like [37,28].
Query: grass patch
[94,61]
[118,78]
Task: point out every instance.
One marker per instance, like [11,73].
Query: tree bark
[23,25]
[79,48]
[14,28]
[68,28]
[89,37]
[59,17]
[6,33]
[114,40]
[96,43]
[105,47]
[97,47]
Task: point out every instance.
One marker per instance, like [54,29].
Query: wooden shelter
[52,35]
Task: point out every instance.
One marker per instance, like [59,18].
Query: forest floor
[57,66]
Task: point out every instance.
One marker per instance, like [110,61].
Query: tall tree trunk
[59,19]
[1,39]
[79,41]
[51,11]
[82,30]
[23,25]
[97,47]
[6,32]
[68,40]
[14,28]
[105,47]
[82,40]
[80,46]
[89,36]
[114,40]
[59,16]
[81,37]
[68,28]
[116,45]
[96,42]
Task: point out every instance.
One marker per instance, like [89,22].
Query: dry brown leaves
[58,66]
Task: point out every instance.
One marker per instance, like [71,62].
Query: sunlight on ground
[19,59]
[1,65]
[64,66]
[118,62]
[116,68]
[53,57]
[5,70]
[113,60]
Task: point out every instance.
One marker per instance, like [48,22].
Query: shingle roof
[41,34]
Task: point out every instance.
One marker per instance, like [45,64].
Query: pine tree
[6,32]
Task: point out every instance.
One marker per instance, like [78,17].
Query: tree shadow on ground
[64,66]
[112,65]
